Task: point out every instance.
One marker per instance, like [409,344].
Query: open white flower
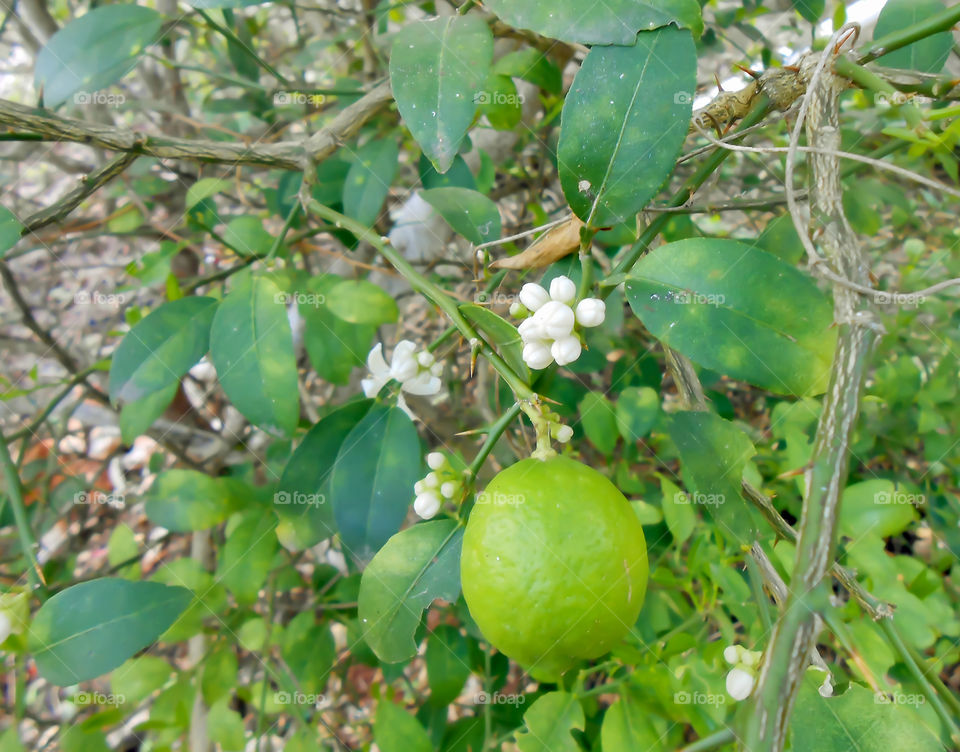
[415,373]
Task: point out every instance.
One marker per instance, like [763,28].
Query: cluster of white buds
[441,484]
[549,333]
[743,676]
[417,373]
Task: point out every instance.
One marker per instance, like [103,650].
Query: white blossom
[427,505]
[740,683]
[416,375]
[566,349]
[563,289]
[536,354]
[556,318]
[533,296]
[435,460]
[448,489]
[591,312]
[564,434]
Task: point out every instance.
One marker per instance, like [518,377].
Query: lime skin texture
[554,565]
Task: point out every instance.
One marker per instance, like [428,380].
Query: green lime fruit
[554,565]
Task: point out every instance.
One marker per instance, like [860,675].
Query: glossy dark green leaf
[184,500]
[857,721]
[927,54]
[471,214]
[309,650]
[161,348]
[548,723]
[448,664]
[247,555]
[677,512]
[877,507]
[335,347]
[624,122]
[91,628]
[415,567]
[637,410]
[246,235]
[93,51]
[437,69]
[368,181]
[811,10]
[713,453]
[780,238]
[371,487]
[303,497]
[599,421]
[358,301]
[612,22]
[10,229]
[500,334]
[531,65]
[251,346]
[738,310]
[395,730]
[458,175]
[137,417]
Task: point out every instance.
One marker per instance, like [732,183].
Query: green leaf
[626,727]
[219,674]
[247,556]
[304,492]
[856,721]
[469,213]
[500,334]
[358,301]
[458,175]
[225,726]
[335,347]
[713,453]
[500,102]
[246,235]
[624,122]
[137,417]
[372,482]
[161,348]
[599,421]
[531,65]
[91,628]
[927,55]
[437,68]
[780,238]
[93,51]
[203,189]
[368,181]
[448,664]
[225,3]
[395,730]
[610,22]
[677,512]
[549,722]
[877,507]
[252,348]
[415,567]
[10,229]
[310,651]
[736,309]
[810,10]
[184,500]
[637,411]
[138,678]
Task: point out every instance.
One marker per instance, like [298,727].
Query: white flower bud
[591,312]
[537,355]
[436,460]
[731,654]
[431,481]
[436,369]
[516,308]
[750,657]
[531,329]
[480,256]
[533,296]
[563,289]
[564,434]
[448,489]
[425,359]
[740,683]
[419,487]
[566,350]
[427,505]
[556,318]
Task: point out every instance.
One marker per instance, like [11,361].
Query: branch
[287,155]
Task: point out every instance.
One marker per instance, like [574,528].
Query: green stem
[228,33]
[867,79]
[27,542]
[945,693]
[942,21]
[493,436]
[428,289]
[288,222]
[928,691]
[724,736]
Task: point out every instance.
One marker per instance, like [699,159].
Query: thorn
[717,79]
[792,68]
[753,74]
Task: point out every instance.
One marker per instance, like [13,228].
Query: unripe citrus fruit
[554,564]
